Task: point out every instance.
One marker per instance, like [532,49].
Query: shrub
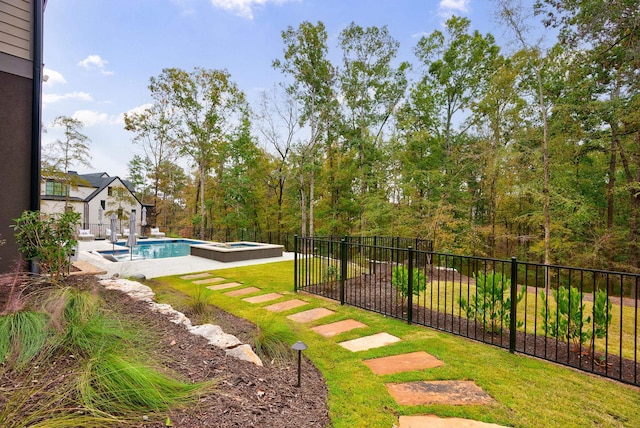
[48,239]
[570,320]
[400,281]
[491,304]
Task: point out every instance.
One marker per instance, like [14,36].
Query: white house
[95,196]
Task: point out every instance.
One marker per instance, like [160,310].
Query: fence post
[343,268]
[295,263]
[410,288]
[514,305]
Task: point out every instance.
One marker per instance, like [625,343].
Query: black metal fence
[583,318]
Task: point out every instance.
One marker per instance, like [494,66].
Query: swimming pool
[157,249]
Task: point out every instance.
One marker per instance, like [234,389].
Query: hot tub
[236,251]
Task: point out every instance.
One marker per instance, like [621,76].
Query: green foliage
[49,239]
[77,318]
[491,303]
[198,303]
[400,281]
[571,321]
[23,334]
[272,340]
[331,273]
[114,384]
[105,382]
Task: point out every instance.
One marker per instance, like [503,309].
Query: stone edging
[213,333]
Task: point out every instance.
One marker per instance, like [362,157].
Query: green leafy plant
[571,321]
[331,273]
[491,304]
[47,239]
[400,281]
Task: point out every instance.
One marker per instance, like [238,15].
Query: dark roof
[100,180]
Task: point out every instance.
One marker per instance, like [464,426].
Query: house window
[103,204]
[109,191]
[55,188]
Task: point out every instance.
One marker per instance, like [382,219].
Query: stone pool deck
[152,268]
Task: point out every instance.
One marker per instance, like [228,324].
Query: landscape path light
[299,346]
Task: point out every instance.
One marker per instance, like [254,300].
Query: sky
[100,54]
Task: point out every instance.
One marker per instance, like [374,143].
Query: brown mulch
[245,395]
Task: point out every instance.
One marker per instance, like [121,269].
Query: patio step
[432,421]
[403,363]
[369,342]
[242,291]
[224,286]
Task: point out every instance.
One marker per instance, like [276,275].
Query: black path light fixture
[299,346]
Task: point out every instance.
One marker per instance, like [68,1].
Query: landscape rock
[134,289]
[213,333]
[245,353]
[216,336]
[175,317]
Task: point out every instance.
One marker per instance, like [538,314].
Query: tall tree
[305,61]
[513,16]
[207,106]
[278,123]
[71,150]
[154,132]
[608,36]
[372,87]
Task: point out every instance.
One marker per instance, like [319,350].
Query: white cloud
[53,78]
[447,8]
[95,62]
[54,98]
[244,8]
[140,109]
[91,118]
[454,5]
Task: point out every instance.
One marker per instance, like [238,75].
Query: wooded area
[525,150]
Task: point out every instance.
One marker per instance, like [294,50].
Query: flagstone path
[449,392]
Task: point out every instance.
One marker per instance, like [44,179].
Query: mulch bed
[245,396]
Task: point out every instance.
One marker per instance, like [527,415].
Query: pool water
[154,249]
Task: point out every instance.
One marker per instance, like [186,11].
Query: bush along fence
[584,318]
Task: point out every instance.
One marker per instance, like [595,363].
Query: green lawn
[528,392]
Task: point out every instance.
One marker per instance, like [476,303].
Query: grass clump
[113,384]
[22,336]
[272,340]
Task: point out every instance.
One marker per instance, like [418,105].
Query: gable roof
[100,180]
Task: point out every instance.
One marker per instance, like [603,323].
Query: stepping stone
[403,363]
[451,392]
[208,281]
[224,286]
[286,305]
[263,298]
[335,328]
[196,276]
[369,342]
[311,315]
[432,421]
[242,291]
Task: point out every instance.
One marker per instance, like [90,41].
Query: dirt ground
[245,396]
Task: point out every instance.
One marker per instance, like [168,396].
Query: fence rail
[583,318]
